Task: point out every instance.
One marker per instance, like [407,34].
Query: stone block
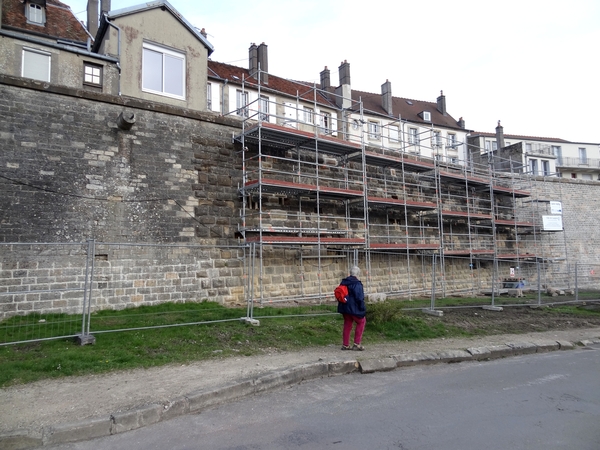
[522,348]
[137,418]
[204,399]
[377,365]
[453,356]
[479,353]
[78,431]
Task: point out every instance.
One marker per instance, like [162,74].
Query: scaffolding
[314,188]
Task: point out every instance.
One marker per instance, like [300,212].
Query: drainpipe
[118,48]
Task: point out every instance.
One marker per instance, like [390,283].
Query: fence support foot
[493,308]
[250,321]
[85,339]
[433,312]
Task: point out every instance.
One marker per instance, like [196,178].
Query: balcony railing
[590,163]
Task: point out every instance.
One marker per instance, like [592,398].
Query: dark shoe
[358,347]
[346,347]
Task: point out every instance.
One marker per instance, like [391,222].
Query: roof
[60,23]
[163,5]
[518,137]
[235,75]
[406,109]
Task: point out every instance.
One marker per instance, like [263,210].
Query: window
[453,159]
[546,168]
[394,133]
[452,141]
[427,116]
[35,13]
[326,121]
[488,145]
[413,138]
[437,139]
[309,114]
[528,148]
[534,166]
[374,130]
[573,175]
[557,151]
[36,65]
[209,96]
[263,108]
[494,145]
[241,102]
[92,74]
[582,155]
[163,71]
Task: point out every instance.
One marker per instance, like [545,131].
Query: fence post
[85,337]
[431,309]
[576,283]
[539,283]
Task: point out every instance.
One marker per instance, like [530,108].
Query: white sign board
[555,208]
[552,223]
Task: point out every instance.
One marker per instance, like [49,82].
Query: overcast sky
[533,64]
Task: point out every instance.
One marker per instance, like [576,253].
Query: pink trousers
[358,332]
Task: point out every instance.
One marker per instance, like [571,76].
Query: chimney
[263,62]
[104,6]
[386,97]
[344,90]
[92,17]
[253,59]
[441,103]
[344,71]
[325,79]
[500,135]
[461,122]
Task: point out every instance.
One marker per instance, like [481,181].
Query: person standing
[354,311]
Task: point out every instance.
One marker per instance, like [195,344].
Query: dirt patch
[517,320]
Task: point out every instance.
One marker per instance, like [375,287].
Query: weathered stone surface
[377,365]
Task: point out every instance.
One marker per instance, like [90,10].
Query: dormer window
[35,12]
[426,116]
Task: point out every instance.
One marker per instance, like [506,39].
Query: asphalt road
[540,401]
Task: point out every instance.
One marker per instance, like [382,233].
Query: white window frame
[308,114]
[209,96]
[165,76]
[263,108]
[452,140]
[32,51]
[494,145]
[533,164]
[94,73]
[325,120]
[582,155]
[413,136]
[374,130]
[545,167]
[426,116]
[35,14]
[488,146]
[241,103]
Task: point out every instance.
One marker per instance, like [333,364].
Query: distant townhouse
[539,156]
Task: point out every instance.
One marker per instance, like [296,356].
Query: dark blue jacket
[356,298]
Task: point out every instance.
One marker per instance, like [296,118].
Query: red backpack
[341,293]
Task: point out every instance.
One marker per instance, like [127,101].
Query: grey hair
[355,271]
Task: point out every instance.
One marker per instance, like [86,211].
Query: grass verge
[281,329]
